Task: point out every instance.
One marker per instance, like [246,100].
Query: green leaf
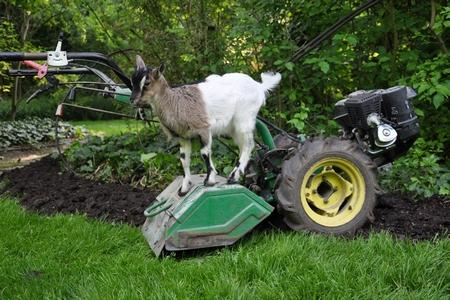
[278,62]
[438,99]
[419,112]
[289,66]
[442,89]
[293,95]
[309,61]
[324,66]
[422,88]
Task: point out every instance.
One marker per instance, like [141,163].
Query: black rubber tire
[296,167]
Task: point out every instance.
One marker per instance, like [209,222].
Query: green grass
[110,127]
[68,256]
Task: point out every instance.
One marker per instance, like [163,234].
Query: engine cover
[396,128]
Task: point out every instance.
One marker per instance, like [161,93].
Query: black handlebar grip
[20,56]
[12,56]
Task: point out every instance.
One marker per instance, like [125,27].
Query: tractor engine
[382,121]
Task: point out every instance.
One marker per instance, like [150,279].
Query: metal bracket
[57,58]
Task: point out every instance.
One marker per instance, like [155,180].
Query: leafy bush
[142,158]
[39,108]
[33,132]
[419,172]
[432,83]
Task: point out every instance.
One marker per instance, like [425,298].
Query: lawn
[69,256]
[110,127]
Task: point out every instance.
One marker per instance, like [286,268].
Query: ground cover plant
[34,131]
[142,158]
[70,257]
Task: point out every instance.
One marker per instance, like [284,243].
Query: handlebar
[91,56]
[27,72]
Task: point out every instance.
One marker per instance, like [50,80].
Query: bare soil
[43,187]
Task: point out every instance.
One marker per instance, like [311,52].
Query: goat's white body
[233,101]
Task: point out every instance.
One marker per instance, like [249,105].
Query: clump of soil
[42,186]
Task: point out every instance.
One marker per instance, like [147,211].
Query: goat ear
[158,72]
[161,68]
[140,64]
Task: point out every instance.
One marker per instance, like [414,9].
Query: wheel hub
[328,191]
[332,191]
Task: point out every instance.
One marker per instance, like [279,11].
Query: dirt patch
[405,218]
[43,187]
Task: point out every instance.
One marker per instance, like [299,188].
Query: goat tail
[269,80]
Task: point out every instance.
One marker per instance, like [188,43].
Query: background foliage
[396,42]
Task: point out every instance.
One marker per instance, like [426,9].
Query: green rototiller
[323,185]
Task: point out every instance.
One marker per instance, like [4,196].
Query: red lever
[42,69]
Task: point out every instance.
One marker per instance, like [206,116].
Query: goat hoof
[231,180]
[182,194]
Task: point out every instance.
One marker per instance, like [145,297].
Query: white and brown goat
[221,105]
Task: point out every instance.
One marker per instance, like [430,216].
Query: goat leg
[246,145]
[185,157]
[206,140]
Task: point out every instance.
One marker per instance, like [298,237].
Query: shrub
[419,172]
[38,108]
[33,132]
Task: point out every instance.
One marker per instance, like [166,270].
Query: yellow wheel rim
[332,191]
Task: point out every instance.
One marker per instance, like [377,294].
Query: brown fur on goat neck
[180,109]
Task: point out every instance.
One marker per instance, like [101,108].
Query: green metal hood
[205,217]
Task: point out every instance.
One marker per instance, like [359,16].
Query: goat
[221,105]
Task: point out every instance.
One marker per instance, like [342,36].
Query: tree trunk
[432,20]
